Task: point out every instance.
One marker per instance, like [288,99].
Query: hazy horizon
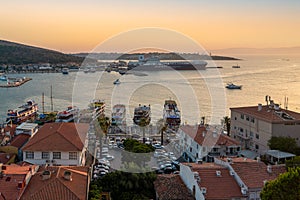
[79,26]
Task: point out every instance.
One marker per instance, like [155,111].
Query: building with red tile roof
[211,180]
[203,143]
[7,158]
[252,174]
[19,140]
[253,126]
[13,179]
[58,182]
[171,186]
[57,144]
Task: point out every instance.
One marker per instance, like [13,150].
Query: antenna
[43,103]
[287,103]
[51,98]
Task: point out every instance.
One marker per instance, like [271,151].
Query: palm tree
[227,121]
[161,125]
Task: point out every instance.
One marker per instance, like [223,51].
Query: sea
[200,95]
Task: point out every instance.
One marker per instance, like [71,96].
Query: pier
[16,84]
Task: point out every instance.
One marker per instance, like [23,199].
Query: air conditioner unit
[203,190]
[47,161]
[218,173]
[244,191]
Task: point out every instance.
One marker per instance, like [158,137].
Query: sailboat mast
[43,103]
[51,99]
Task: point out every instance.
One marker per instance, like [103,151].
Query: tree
[286,144]
[227,123]
[161,125]
[295,162]
[104,123]
[286,186]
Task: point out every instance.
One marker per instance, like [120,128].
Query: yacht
[65,70]
[171,114]
[23,112]
[233,86]
[116,82]
[142,115]
[67,115]
[118,115]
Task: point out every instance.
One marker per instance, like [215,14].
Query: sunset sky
[78,26]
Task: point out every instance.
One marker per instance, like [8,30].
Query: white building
[253,126]
[202,143]
[58,144]
[27,128]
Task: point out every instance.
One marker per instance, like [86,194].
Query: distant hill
[161,56]
[17,54]
[244,51]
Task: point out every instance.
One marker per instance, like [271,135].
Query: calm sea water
[197,94]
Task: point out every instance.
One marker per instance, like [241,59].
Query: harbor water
[197,94]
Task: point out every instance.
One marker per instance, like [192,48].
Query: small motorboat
[233,86]
[3,77]
[116,82]
[236,66]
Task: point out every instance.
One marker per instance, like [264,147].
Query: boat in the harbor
[118,115]
[98,106]
[23,113]
[3,77]
[171,114]
[142,115]
[67,115]
[92,70]
[154,63]
[236,66]
[65,70]
[116,82]
[233,86]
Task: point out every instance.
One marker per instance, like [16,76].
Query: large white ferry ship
[23,112]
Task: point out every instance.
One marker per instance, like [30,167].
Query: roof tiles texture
[171,186]
[267,114]
[208,138]
[12,175]
[254,173]
[59,137]
[57,187]
[19,140]
[217,187]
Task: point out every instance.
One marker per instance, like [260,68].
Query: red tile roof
[7,158]
[12,175]
[254,173]
[58,137]
[206,137]
[223,187]
[19,140]
[171,186]
[267,114]
[57,187]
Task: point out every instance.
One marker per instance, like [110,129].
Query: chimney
[20,185]
[259,107]
[68,175]
[46,175]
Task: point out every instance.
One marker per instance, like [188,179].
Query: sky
[79,26]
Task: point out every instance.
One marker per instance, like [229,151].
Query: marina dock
[16,84]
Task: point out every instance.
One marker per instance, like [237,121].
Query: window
[29,155]
[242,116]
[234,118]
[56,155]
[72,155]
[247,117]
[197,155]
[45,155]
[197,146]
[256,146]
[242,130]
[257,136]
[191,149]
[252,120]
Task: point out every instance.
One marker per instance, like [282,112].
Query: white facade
[66,158]
[254,132]
[27,128]
[187,176]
